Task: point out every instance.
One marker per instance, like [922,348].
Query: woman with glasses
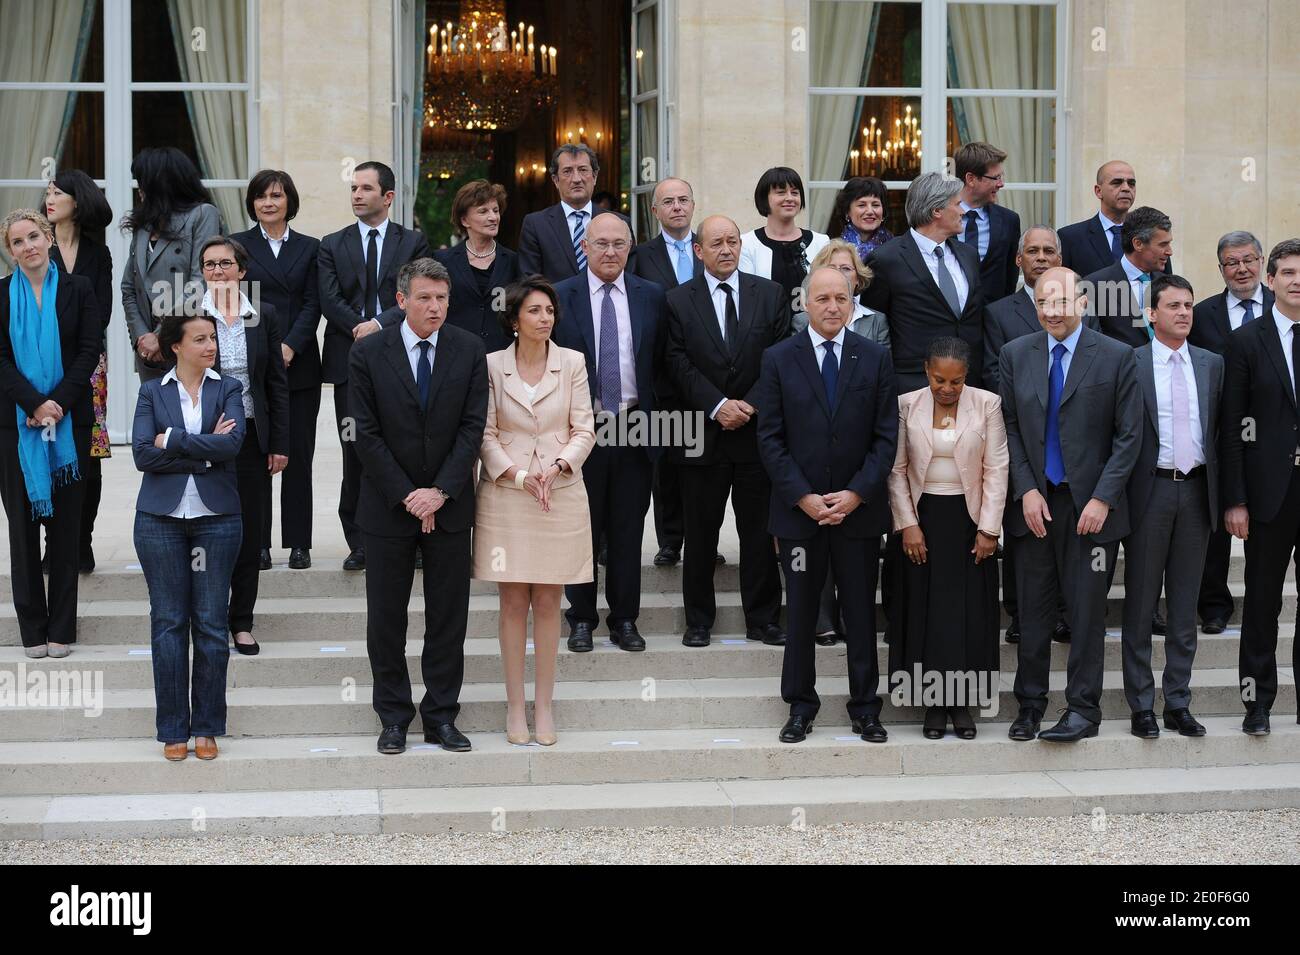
[859,215]
[779,250]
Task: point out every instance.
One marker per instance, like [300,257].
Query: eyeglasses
[1249,262]
[998,178]
[222,264]
[604,245]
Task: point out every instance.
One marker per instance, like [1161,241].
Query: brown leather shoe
[176,751]
[205,747]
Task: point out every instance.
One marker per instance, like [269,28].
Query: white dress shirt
[982,226]
[927,247]
[1163,369]
[379,250]
[191,504]
[1286,330]
[572,223]
[818,341]
[412,343]
[275,244]
[1237,307]
[623,320]
[719,298]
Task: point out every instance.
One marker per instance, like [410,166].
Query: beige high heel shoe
[518,739]
[544,739]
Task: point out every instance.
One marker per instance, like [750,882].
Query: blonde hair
[33,216]
[823,258]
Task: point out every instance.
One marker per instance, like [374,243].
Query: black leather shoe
[1072,728]
[935,723]
[870,729]
[299,558]
[627,637]
[1025,726]
[719,559]
[1144,725]
[796,729]
[696,637]
[580,638]
[1013,630]
[667,557]
[769,633]
[1256,721]
[1217,625]
[356,560]
[827,639]
[264,559]
[245,649]
[87,565]
[1183,721]
[1158,624]
[1062,632]
[448,737]
[963,724]
[392,740]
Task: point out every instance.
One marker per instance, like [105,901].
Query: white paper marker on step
[144,652]
[735,641]
[626,742]
[726,741]
[326,749]
[845,739]
[333,649]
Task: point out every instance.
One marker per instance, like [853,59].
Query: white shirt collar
[1029,293]
[171,376]
[733,280]
[570,210]
[282,238]
[1106,224]
[365,230]
[595,283]
[982,212]
[1131,270]
[924,243]
[412,340]
[245,306]
[1071,341]
[1257,298]
[818,340]
[1162,352]
[1284,324]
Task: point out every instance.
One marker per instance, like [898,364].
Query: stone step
[136,766]
[298,663]
[743,802]
[647,704]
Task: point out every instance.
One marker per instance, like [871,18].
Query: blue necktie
[423,372]
[610,380]
[578,231]
[1055,469]
[830,374]
[685,267]
[1116,247]
[972,237]
[1247,311]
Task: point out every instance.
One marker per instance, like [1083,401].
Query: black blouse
[95,265]
[789,258]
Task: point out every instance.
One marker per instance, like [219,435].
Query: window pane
[45,42]
[865,44]
[995,46]
[646,168]
[646,54]
[230,200]
[1024,128]
[883,131]
[1034,207]
[209,127]
[646,224]
[193,41]
[48,130]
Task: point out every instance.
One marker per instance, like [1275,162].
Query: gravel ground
[1271,836]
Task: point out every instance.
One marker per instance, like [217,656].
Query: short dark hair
[237,247]
[976,158]
[574,149]
[519,290]
[958,349]
[92,213]
[1283,250]
[1141,224]
[261,182]
[387,181]
[171,331]
[853,190]
[775,177]
[1162,282]
[476,192]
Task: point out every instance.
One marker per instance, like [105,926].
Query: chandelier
[481,76]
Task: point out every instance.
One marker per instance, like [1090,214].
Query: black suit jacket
[342,278]
[468,309]
[404,446]
[1261,426]
[289,284]
[95,265]
[1210,325]
[79,336]
[577,330]
[702,370]
[1119,315]
[653,263]
[1085,247]
[546,245]
[998,271]
[267,382]
[808,450]
[1006,320]
[909,296]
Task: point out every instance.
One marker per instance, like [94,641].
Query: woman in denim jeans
[188,429]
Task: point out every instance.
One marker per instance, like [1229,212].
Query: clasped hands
[539,483]
[423,503]
[50,412]
[830,509]
[734,413]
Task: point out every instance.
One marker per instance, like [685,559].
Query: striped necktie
[578,232]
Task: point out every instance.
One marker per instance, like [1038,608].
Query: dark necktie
[1144,284]
[1055,469]
[372,275]
[1116,247]
[972,237]
[946,284]
[610,380]
[423,373]
[579,230]
[1295,363]
[1247,311]
[830,374]
[732,320]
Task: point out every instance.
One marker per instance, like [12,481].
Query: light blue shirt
[411,342]
[1071,343]
[981,226]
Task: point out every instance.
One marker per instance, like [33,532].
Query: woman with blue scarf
[49,346]
[858,218]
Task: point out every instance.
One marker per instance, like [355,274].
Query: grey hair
[1020,247]
[806,284]
[928,192]
[425,268]
[1232,240]
[574,149]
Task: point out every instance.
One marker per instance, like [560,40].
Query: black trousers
[92,475]
[252,478]
[851,563]
[295,479]
[618,481]
[390,570]
[1269,549]
[705,489]
[351,486]
[669,522]
[1215,601]
[43,620]
[1078,568]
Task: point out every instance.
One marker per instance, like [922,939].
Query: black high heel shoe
[247,649]
[936,721]
[962,722]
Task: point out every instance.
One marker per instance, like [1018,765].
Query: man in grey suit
[1073,414]
[1175,487]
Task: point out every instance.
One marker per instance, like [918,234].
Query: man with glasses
[986,226]
[1094,243]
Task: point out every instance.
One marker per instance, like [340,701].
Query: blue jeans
[187,565]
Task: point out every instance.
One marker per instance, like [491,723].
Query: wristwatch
[441,493]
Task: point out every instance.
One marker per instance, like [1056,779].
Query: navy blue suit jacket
[998,271]
[288,282]
[808,450]
[1085,247]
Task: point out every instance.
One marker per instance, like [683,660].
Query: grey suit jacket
[1100,424]
[153,282]
[871,325]
[1208,368]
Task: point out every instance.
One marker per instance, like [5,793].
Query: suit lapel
[1147,379]
[260,249]
[973,279]
[551,380]
[634,312]
[848,365]
[1201,368]
[357,253]
[171,400]
[1041,371]
[1220,316]
[511,382]
[443,353]
[912,256]
[211,392]
[922,417]
[965,411]
[658,254]
[560,225]
[395,353]
[388,254]
[748,311]
[586,320]
[806,359]
[290,252]
[1100,241]
[704,307]
[1084,353]
[1273,345]
[1027,313]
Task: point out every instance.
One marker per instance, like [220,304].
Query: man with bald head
[1074,415]
[827,431]
[718,325]
[1094,243]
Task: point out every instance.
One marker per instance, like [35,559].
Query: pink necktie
[1182,417]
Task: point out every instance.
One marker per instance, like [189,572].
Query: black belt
[1063,486]
[1177,475]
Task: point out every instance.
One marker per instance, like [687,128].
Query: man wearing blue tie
[988,228]
[1118,293]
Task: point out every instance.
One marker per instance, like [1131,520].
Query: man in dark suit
[358,268]
[1243,299]
[1073,416]
[550,241]
[419,396]
[669,260]
[1261,474]
[988,228]
[1094,243]
[718,325]
[615,321]
[1174,487]
[1117,294]
[827,431]
[928,283]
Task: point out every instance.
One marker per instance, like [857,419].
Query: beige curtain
[219,117]
[840,42]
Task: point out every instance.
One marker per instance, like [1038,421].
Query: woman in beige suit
[947,491]
[532,529]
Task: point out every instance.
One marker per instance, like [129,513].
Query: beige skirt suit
[514,539]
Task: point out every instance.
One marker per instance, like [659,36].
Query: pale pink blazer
[981,456]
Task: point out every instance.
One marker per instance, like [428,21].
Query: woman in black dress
[779,250]
[478,264]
